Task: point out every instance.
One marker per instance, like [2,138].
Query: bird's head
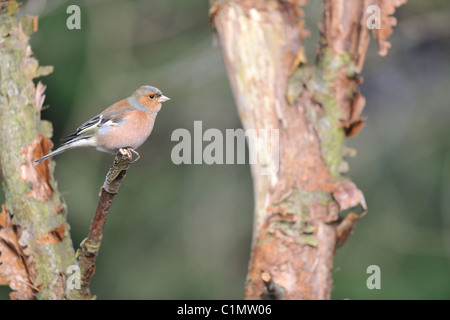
[150,97]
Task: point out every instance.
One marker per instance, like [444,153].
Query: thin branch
[273,290]
[89,247]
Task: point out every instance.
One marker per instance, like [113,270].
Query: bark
[35,245]
[308,207]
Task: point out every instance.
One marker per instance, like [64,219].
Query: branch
[89,247]
[273,290]
[309,205]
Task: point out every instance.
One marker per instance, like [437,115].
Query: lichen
[294,218]
[21,125]
[319,81]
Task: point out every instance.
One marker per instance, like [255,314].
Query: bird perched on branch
[125,124]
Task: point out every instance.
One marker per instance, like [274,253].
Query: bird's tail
[53,153]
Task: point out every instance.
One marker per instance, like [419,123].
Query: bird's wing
[109,117]
[88,129]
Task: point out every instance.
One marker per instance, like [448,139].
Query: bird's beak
[163,99]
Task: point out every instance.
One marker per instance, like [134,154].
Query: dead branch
[89,247]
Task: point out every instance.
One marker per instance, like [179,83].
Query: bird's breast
[131,132]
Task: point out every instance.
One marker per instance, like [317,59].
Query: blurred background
[184,232]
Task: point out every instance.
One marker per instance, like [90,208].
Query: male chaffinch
[125,124]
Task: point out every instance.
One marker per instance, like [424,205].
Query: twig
[88,252]
[273,290]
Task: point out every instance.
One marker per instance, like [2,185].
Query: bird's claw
[127,152]
[136,153]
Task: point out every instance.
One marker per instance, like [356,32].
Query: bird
[125,124]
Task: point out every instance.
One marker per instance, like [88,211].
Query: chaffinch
[125,124]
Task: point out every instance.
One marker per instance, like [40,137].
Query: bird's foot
[127,152]
[136,153]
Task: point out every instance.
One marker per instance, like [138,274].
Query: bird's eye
[151,96]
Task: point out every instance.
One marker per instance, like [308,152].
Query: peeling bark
[309,206]
[34,212]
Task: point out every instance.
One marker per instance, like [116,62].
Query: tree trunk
[307,207]
[35,245]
